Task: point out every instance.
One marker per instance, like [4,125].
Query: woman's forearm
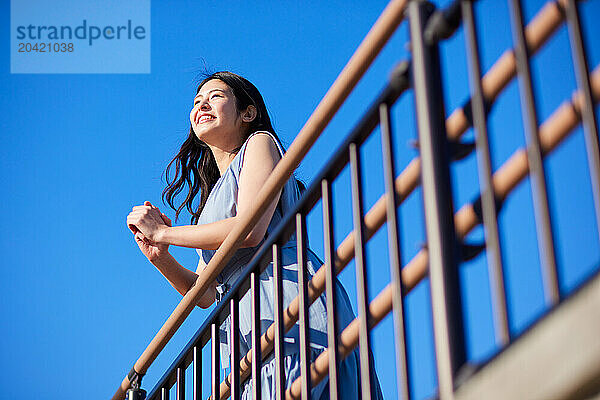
[178,276]
[181,278]
[205,236]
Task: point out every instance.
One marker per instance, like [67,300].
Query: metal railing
[439,144]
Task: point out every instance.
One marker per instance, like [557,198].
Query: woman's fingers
[132,221]
[166,219]
[137,213]
[143,207]
[142,212]
[139,236]
[133,228]
[148,220]
[152,206]
[144,220]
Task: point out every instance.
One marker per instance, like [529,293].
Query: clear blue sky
[80,302]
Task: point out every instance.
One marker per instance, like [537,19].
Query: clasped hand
[148,221]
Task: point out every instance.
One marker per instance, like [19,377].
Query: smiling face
[214,117]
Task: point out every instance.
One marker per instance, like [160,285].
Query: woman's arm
[209,295]
[261,157]
[181,278]
[205,236]
[178,276]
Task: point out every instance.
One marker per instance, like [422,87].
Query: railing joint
[460,150]
[400,76]
[135,378]
[135,392]
[469,251]
[442,23]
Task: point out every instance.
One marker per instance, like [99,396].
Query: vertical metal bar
[402,373]
[216,367]
[590,124]
[279,328]
[437,197]
[484,164]
[330,279]
[534,158]
[197,372]
[256,333]
[180,383]
[234,346]
[164,394]
[361,273]
[304,303]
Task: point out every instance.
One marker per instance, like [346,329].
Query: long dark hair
[195,167]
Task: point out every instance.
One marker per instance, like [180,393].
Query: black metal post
[402,373]
[364,315]
[234,347]
[437,197]
[537,176]
[330,279]
[180,374]
[216,360]
[484,164]
[197,353]
[256,334]
[304,304]
[279,328]
[590,124]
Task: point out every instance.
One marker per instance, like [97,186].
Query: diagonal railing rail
[441,256]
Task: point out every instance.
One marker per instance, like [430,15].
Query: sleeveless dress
[221,204]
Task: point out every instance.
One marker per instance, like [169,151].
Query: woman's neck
[223,157]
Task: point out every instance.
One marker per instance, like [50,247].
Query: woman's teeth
[205,118]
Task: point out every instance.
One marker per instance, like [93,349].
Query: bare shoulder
[261,146]
[262,140]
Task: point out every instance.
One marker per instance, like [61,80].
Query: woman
[229,153]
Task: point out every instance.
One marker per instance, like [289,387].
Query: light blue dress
[221,204]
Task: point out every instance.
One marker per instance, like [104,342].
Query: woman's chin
[206,135]
[201,131]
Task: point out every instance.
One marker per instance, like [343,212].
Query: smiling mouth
[205,118]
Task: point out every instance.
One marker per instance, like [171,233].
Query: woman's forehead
[212,85]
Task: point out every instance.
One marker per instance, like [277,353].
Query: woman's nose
[204,105]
